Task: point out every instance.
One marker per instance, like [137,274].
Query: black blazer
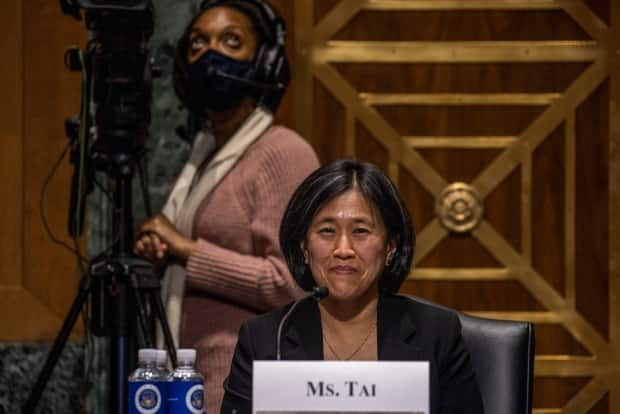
[406,331]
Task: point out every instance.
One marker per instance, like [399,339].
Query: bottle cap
[162,357]
[147,355]
[186,355]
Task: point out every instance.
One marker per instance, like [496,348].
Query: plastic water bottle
[146,385]
[186,386]
[162,361]
[162,366]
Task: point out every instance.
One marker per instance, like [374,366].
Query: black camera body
[113,127]
[121,78]
[119,73]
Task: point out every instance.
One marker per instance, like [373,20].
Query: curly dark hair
[325,184]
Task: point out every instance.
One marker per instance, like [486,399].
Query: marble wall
[19,367]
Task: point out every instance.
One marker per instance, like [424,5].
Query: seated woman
[346,228]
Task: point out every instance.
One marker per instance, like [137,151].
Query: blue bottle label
[186,397]
[146,397]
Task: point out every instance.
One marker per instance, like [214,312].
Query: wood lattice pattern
[316,56]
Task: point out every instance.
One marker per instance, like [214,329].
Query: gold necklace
[359,347]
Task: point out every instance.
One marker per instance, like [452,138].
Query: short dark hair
[330,181]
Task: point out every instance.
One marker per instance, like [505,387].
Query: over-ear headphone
[271,64]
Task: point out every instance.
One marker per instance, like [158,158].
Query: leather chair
[502,354]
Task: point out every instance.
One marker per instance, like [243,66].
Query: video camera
[108,135]
[119,74]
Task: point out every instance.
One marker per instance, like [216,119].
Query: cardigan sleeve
[260,280]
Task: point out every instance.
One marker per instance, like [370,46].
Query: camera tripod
[123,289]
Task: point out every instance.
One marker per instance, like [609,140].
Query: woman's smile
[346,247]
[343,269]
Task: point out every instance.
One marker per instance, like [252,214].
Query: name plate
[340,386]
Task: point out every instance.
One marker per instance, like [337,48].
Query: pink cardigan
[237,271]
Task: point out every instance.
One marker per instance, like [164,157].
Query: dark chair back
[502,354]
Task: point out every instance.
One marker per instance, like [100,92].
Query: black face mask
[212,88]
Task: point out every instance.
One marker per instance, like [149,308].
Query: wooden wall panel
[519,100]
[11,190]
[38,278]
[51,95]
[592,208]
[614,186]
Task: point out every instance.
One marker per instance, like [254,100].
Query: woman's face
[224,30]
[346,247]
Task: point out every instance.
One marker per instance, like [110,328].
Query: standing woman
[217,235]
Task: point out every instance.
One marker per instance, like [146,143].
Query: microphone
[211,71]
[317,293]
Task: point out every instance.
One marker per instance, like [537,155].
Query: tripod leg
[122,345]
[59,344]
[119,346]
[161,315]
[142,318]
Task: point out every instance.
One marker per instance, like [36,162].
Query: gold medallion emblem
[458,207]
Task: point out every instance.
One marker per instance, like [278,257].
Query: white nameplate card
[339,386]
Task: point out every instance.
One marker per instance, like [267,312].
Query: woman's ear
[302,246]
[391,252]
